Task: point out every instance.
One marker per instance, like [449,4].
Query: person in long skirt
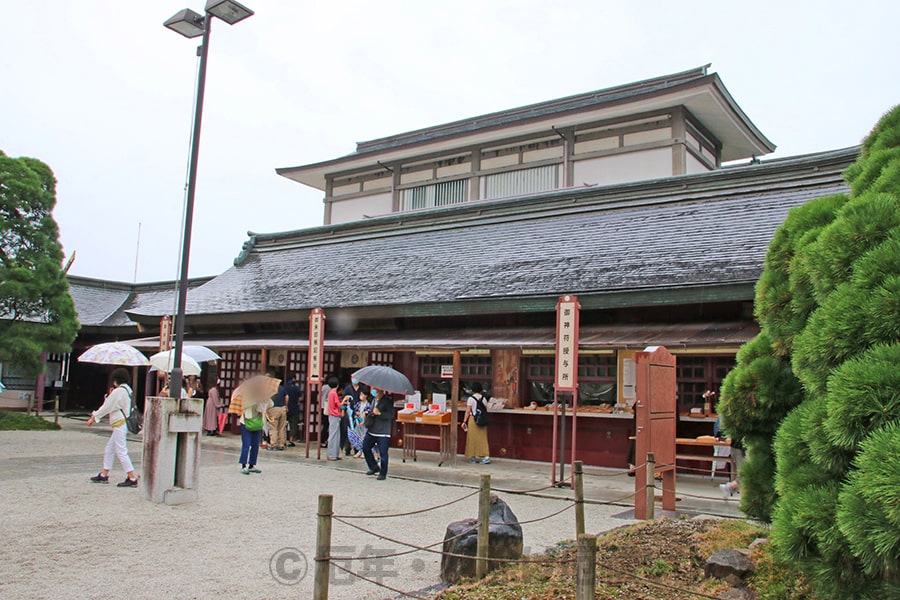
[477,447]
[211,410]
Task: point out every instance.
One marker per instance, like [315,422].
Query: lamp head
[228,10]
[187,23]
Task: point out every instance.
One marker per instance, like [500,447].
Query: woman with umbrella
[379,423]
[118,406]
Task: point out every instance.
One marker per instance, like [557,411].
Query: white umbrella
[114,353]
[200,353]
[165,361]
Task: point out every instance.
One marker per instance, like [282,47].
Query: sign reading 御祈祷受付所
[567,316]
[316,345]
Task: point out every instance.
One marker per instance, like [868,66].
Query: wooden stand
[413,431]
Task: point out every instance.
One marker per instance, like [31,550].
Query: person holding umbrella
[378,432]
[118,406]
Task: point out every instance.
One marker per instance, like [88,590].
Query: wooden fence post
[579,498]
[484,517]
[323,547]
[586,576]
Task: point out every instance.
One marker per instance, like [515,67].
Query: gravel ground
[69,538]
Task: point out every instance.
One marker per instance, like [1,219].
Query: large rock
[504,541]
[731,565]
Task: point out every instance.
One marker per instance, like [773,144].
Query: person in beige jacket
[117,406]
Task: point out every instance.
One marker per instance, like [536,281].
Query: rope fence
[585,559]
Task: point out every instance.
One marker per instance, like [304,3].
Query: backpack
[481,415]
[135,420]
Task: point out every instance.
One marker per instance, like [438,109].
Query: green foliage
[756,395]
[878,167]
[36,311]
[861,224]
[779,308]
[869,512]
[757,476]
[864,396]
[16,421]
[837,513]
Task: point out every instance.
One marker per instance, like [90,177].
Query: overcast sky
[104,94]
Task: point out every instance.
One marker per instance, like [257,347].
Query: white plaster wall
[355,209]
[454,170]
[694,165]
[499,161]
[607,143]
[545,154]
[343,190]
[415,176]
[622,168]
[643,137]
[377,184]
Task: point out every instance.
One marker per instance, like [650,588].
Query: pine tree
[829,306]
[36,311]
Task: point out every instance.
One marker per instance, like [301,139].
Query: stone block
[504,541]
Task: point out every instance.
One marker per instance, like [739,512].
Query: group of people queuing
[360,419]
[357,422]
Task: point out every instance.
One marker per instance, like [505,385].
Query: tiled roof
[541,109]
[697,231]
[102,303]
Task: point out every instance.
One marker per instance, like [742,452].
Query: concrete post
[163,422]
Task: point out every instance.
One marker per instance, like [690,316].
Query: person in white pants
[117,406]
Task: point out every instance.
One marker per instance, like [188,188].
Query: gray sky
[104,94]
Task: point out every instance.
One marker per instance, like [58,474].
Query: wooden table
[414,430]
[706,443]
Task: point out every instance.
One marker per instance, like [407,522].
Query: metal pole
[562,443]
[579,497]
[323,547]
[484,517]
[175,380]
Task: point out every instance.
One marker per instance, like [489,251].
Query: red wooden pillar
[656,419]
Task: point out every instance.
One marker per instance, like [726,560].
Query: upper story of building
[677,124]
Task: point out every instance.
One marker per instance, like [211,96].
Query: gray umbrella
[384,378]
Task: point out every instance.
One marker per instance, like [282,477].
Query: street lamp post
[190,24]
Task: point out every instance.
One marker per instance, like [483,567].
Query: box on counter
[440,417]
[413,416]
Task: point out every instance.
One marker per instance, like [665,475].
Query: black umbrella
[384,378]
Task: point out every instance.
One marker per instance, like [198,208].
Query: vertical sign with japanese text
[165,333]
[567,315]
[316,345]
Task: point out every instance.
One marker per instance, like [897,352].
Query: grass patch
[17,421]
[662,560]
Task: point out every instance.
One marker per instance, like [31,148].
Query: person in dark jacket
[379,433]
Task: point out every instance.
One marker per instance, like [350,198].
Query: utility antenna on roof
[137,252]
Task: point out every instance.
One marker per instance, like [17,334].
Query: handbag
[253,423]
[369,421]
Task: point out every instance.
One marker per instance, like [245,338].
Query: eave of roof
[595,337]
[704,95]
[699,238]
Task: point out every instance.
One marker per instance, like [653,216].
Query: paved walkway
[71,538]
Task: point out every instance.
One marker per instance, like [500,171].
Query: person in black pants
[379,433]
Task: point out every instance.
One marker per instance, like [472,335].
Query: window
[596,379]
[522,181]
[696,374]
[434,195]
[472,368]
